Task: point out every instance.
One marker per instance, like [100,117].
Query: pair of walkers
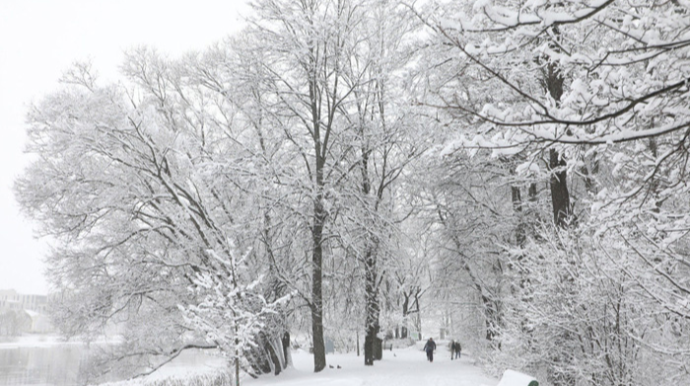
[430,347]
[455,350]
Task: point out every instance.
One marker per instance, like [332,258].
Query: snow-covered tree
[142,187]
[587,96]
[331,70]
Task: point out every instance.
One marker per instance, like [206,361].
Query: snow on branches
[232,311]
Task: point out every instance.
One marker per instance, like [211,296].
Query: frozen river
[54,363]
[43,365]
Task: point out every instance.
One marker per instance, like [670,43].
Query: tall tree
[385,144]
[127,184]
[307,45]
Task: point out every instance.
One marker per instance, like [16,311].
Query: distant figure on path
[455,349]
[429,347]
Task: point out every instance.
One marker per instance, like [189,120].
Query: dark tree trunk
[516,198]
[317,265]
[276,346]
[277,363]
[286,348]
[560,198]
[418,319]
[317,296]
[655,183]
[553,81]
[372,344]
[517,207]
[492,320]
[268,356]
[405,312]
[319,220]
[532,192]
[357,342]
[534,214]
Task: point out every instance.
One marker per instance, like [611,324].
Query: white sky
[39,39]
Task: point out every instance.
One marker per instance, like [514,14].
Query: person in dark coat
[429,347]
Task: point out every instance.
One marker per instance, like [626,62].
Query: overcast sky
[39,39]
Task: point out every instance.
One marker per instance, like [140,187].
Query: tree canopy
[513,172]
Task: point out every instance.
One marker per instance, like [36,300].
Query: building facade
[10,299]
[20,313]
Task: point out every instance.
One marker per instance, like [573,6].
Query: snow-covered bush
[212,379]
[232,312]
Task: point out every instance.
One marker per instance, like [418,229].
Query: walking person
[429,347]
[457,349]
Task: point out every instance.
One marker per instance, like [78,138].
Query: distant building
[40,323]
[23,313]
[10,299]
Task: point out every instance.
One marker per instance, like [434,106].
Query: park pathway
[400,367]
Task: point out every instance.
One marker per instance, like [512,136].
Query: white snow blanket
[400,367]
[514,378]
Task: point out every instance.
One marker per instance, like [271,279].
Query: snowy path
[402,367]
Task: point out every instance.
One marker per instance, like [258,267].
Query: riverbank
[49,360]
[48,340]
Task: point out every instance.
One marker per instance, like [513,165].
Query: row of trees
[570,156]
[523,162]
[204,202]
[14,322]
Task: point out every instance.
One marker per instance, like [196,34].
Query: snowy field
[401,367]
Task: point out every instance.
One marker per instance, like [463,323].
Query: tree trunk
[275,355]
[319,220]
[316,291]
[357,342]
[418,319]
[372,344]
[405,312]
[286,349]
[237,360]
[317,270]
[532,192]
[517,207]
[492,320]
[560,198]
[655,183]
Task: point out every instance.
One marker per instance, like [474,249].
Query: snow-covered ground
[400,367]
